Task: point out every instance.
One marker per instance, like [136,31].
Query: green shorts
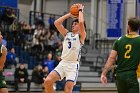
[2,81]
[127,82]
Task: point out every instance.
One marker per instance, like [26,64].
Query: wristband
[80,10]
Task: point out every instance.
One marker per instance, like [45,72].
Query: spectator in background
[8,16]
[57,59]
[37,75]
[59,49]
[21,76]
[49,63]
[65,21]
[45,71]
[4,42]
[38,16]
[43,39]
[36,44]
[51,23]
[57,40]
[51,44]
[10,59]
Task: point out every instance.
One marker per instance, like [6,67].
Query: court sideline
[73,92]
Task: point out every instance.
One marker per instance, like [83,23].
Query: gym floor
[73,92]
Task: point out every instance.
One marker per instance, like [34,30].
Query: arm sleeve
[115,45]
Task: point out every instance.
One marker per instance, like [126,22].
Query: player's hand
[22,79]
[103,79]
[81,6]
[72,16]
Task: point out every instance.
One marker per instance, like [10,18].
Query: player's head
[75,25]
[49,56]
[22,66]
[133,24]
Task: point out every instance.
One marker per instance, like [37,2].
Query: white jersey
[71,47]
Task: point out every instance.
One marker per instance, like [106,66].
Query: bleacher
[92,61]
[9,77]
[89,74]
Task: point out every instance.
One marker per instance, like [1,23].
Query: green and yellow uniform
[2,78]
[138,75]
[138,71]
[2,81]
[128,51]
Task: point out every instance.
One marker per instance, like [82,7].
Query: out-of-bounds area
[73,92]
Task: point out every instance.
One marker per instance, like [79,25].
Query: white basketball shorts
[68,69]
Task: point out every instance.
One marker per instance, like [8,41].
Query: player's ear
[128,29]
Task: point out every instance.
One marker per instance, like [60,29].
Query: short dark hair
[134,24]
[77,20]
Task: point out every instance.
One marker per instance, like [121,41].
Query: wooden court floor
[73,92]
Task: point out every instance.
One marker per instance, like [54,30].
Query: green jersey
[128,51]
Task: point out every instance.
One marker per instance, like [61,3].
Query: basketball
[74,10]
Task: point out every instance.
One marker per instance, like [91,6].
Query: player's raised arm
[59,25]
[82,24]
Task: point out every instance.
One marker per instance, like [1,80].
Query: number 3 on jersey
[69,45]
[129,48]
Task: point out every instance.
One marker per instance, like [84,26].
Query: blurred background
[35,45]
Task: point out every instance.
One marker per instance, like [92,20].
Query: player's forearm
[81,21]
[108,65]
[110,61]
[61,19]
[82,26]
[81,17]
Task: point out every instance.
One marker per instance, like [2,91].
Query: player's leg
[55,75]
[3,86]
[69,86]
[50,80]
[121,86]
[133,85]
[3,90]
[121,83]
[71,72]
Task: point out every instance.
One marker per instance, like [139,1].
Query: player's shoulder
[138,36]
[121,38]
[68,33]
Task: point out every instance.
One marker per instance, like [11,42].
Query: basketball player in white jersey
[73,41]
